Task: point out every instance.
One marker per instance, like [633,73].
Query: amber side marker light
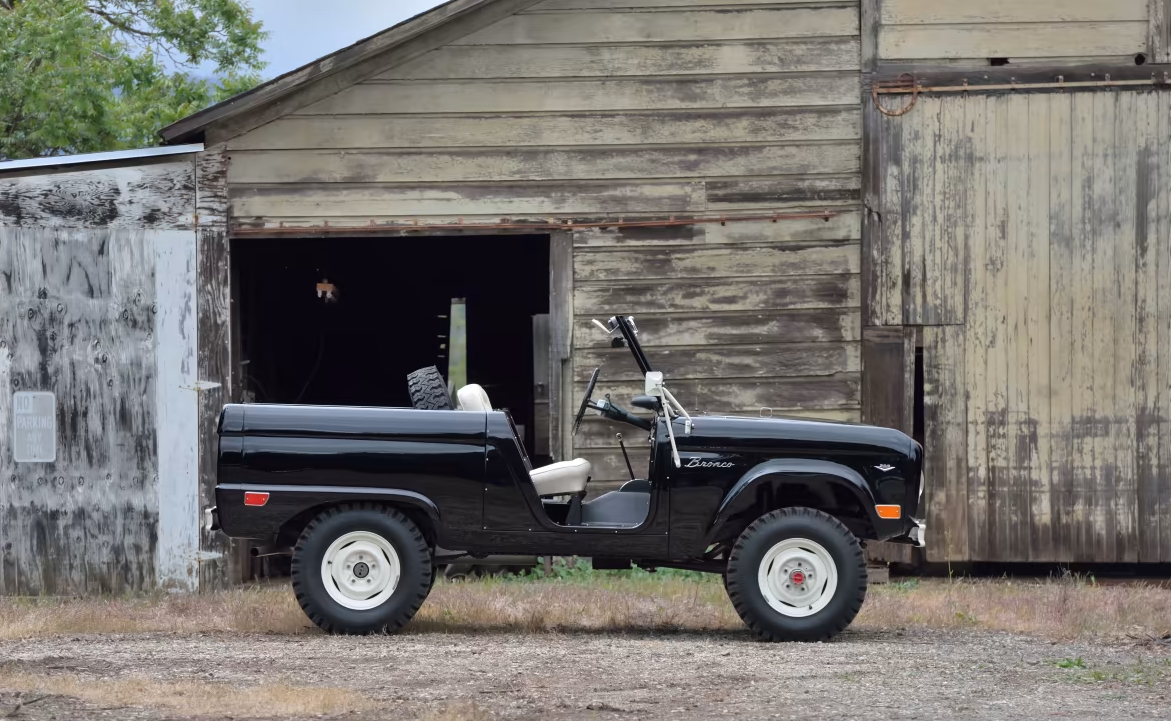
[257,498]
[892,512]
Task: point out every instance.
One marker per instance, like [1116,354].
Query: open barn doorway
[388,315]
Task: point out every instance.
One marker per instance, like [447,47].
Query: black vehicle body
[463,478]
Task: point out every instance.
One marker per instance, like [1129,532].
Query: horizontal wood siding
[597,109]
[1035,245]
[972,32]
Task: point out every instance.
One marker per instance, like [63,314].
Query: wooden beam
[1159,31]
[222,561]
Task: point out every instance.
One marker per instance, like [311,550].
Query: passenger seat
[555,479]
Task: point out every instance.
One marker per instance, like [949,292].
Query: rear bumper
[211,519]
[916,535]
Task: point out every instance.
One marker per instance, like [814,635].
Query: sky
[300,31]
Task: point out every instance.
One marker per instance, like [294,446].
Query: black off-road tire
[429,390]
[743,586]
[414,555]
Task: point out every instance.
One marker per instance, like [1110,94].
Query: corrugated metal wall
[1030,234]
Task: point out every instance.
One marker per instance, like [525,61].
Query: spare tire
[429,390]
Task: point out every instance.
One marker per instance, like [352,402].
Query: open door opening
[342,321]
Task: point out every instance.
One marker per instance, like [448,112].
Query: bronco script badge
[697,463]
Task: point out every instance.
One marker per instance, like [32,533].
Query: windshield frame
[626,325]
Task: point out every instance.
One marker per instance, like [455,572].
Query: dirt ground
[868,673]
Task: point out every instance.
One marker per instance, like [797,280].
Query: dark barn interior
[391,316]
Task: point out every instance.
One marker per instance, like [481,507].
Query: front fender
[759,486]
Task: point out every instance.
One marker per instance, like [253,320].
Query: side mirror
[649,403]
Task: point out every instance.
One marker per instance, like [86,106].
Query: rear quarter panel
[431,458]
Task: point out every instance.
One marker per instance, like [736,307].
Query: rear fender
[287,503]
[762,489]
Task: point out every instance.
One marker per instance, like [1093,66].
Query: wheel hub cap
[360,570]
[798,577]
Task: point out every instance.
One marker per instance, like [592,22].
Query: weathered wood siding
[586,109]
[970,32]
[98,306]
[1031,234]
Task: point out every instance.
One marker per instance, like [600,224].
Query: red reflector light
[892,511]
[255,498]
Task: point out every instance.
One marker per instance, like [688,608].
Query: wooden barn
[949,217]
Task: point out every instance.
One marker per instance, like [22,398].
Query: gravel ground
[865,674]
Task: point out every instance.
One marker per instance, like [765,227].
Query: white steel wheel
[360,570]
[798,577]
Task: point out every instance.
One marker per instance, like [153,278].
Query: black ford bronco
[366,499]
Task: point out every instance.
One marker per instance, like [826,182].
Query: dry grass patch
[193,698]
[269,609]
[604,603]
[636,602]
[1054,609]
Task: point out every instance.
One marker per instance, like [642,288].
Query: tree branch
[120,24]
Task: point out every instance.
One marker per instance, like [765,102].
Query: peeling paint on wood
[539,61]
[77,319]
[177,404]
[610,27]
[554,95]
[1042,423]
[147,196]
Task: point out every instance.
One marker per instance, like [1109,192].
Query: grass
[1147,672]
[635,601]
[193,698]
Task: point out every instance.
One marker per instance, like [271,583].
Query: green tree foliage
[80,76]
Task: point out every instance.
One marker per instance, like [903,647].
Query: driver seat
[555,479]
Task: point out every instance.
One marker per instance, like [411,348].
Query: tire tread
[310,606]
[733,578]
[428,390]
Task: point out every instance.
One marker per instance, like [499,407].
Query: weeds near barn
[636,601]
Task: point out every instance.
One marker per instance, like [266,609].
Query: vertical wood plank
[870,12]
[561,342]
[888,359]
[1061,334]
[1159,31]
[954,230]
[1147,327]
[1103,343]
[874,255]
[945,426]
[1000,171]
[1037,424]
[1163,272]
[1080,505]
[921,139]
[939,231]
[884,290]
[1013,516]
[222,561]
[977,119]
[1123,300]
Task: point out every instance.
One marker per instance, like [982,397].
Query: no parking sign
[34,427]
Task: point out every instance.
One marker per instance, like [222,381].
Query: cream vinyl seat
[555,479]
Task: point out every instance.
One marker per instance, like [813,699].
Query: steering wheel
[585,402]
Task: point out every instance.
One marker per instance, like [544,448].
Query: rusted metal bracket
[905,83]
[414,224]
[899,88]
